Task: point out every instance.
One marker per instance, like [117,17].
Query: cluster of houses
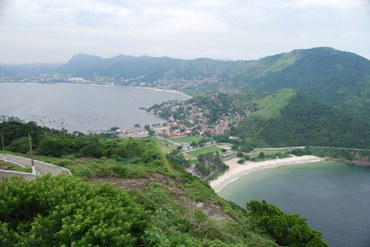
[185,118]
[135,133]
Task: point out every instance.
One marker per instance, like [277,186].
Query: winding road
[41,168]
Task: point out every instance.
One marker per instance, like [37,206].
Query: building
[132,133]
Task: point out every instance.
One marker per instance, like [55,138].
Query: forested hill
[150,199]
[339,78]
[325,74]
[143,69]
[290,118]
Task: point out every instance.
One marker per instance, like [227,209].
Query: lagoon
[78,107]
[334,197]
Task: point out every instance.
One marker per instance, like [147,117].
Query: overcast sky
[55,30]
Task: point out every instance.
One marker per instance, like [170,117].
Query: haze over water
[334,197]
[82,107]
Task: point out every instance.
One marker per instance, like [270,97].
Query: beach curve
[236,170]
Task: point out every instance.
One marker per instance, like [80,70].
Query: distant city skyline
[52,31]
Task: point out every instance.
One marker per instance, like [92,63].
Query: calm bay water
[82,107]
[334,197]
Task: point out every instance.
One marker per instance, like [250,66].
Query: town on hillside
[191,129]
[207,116]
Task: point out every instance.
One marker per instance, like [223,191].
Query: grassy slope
[271,104]
[179,209]
[205,150]
[187,139]
[327,75]
[287,118]
[183,209]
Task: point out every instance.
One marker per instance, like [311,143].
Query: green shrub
[63,211]
[286,229]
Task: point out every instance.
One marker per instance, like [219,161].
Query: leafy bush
[241,161]
[286,229]
[63,211]
[20,145]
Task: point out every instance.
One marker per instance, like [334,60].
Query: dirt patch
[211,210]
[214,211]
[134,183]
[127,184]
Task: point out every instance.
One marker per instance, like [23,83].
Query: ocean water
[82,107]
[334,197]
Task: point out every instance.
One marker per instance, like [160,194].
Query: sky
[52,31]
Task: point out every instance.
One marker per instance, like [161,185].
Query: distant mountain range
[338,78]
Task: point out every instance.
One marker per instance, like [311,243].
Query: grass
[186,139]
[165,146]
[285,61]
[205,150]
[271,105]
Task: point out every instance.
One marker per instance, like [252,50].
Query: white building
[132,133]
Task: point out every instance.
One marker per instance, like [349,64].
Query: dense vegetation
[325,74]
[108,157]
[284,117]
[287,229]
[164,206]
[351,156]
[62,211]
[290,118]
[209,163]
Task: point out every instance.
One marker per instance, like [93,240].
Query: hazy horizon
[127,55]
[51,31]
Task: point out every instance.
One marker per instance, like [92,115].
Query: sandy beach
[236,170]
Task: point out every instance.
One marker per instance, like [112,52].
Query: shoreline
[106,85]
[162,90]
[236,170]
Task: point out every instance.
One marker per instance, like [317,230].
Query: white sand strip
[236,170]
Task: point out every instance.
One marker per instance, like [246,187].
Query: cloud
[53,30]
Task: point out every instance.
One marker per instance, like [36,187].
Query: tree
[19,145]
[261,155]
[55,146]
[241,161]
[286,229]
[64,211]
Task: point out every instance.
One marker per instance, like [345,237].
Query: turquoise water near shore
[334,197]
[82,107]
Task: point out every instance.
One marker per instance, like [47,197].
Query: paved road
[41,168]
[280,148]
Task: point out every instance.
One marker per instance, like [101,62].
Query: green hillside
[338,78]
[271,104]
[341,79]
[127,193]
[289,118]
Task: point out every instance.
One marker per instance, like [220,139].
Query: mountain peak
[81,57]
